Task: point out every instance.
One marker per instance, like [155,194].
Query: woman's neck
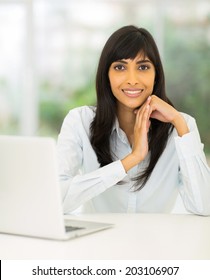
[126,120]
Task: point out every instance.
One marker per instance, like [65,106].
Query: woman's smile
[132,92]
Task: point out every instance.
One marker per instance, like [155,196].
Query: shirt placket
[131,194]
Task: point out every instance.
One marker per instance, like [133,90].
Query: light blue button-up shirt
[180,180]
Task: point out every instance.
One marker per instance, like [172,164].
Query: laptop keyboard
[70,228]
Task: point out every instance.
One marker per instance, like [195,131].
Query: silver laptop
[30,199]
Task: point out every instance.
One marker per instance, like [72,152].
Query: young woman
[133,152]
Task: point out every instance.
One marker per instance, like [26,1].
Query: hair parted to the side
[126,43]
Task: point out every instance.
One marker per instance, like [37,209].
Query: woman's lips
[132,92]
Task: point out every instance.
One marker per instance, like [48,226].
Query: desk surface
[134,236]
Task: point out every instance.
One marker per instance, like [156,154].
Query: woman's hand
[140,137]
[164,112]
[141,127]
[155,108]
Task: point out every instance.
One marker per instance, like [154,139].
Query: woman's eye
[144,67]
[119,67]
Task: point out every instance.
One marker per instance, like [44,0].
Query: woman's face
[132,81]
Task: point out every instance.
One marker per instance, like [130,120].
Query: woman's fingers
[142,116]
[161,110]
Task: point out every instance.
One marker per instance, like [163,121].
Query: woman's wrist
[130,161]
[180,125]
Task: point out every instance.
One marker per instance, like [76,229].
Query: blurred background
[49,50]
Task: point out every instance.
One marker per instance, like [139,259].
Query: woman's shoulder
[80,116]
[83,112]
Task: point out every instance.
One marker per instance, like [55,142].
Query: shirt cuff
[112,173]
[188,145]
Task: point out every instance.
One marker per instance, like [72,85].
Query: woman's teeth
[133,91]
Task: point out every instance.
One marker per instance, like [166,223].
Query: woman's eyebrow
[121,61]
[138,62]
[143,61]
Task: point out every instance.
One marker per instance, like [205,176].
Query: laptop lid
[30,199]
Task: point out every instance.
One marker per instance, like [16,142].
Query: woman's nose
[132,78]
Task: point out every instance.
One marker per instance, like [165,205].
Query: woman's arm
[194,171]
[194,175]
[75,155]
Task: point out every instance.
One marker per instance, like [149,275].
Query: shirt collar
[116,125]
[120,133]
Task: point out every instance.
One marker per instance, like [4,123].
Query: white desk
[134,236]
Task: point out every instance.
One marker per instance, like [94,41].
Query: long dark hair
[127,43]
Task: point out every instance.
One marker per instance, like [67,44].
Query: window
[49,52]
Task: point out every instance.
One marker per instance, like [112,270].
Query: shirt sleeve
[194,173]
[78,187]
